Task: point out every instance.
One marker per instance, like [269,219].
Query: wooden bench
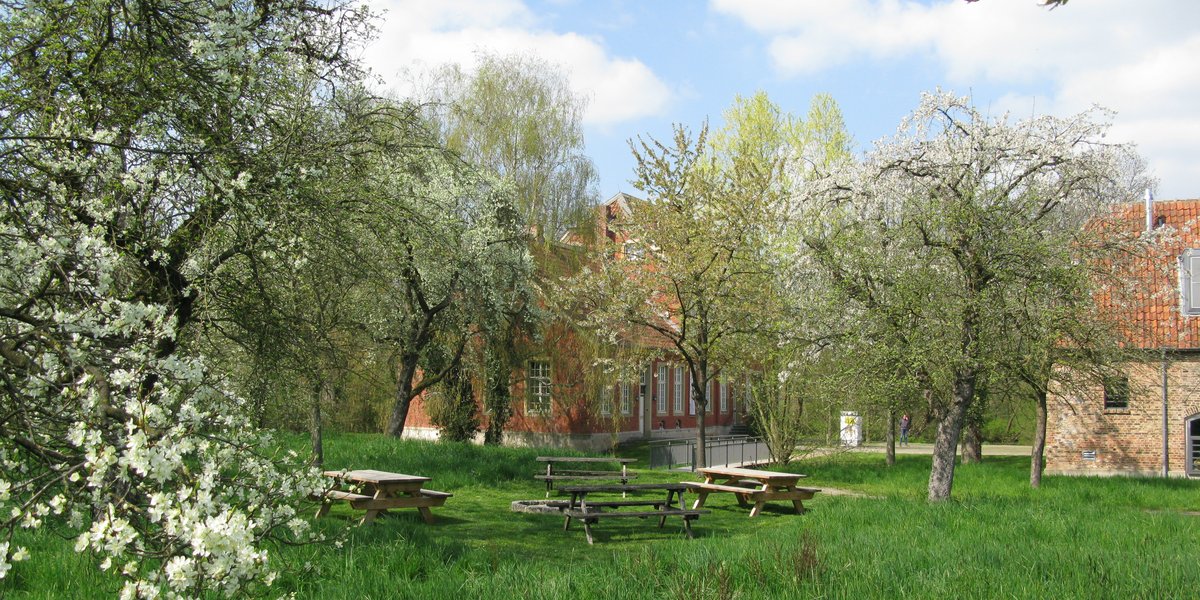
[556,473]
[587,517]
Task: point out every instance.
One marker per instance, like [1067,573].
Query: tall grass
[1074,538]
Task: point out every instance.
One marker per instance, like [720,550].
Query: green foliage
[517,116]
[453,409]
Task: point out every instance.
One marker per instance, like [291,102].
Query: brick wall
[1125,441]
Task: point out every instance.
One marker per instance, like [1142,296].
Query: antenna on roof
[1149,210]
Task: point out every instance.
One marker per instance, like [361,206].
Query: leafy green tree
[517,117]
[697,282]
[445,242]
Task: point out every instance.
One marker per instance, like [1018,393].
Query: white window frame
[1192,457]
[723,391]
[626,403]
[538,393]
[606,400]
[632,250]
[661,385]
[677,405]
[691,396]
[1189,282]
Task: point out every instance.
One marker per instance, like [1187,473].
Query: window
[662,389]
[626,404]
[723,392]
[606,400]
[1189,282]
[538,387]
[1116,392]
[1193,429]
[678,391]
[632,250]
[691,398]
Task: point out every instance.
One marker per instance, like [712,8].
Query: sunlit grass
[1074,538]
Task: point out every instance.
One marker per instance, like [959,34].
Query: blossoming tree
[949,224]
[143,146]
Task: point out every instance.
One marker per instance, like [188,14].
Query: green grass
[1074,538]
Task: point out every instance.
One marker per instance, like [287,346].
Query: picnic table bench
[555,470]
[380,491]
[579,508]
[751,485]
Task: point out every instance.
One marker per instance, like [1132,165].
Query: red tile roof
[1144,296]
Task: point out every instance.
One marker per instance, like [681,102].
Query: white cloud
[1136,58]
[421,34]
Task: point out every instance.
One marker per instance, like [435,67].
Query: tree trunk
[891,437]
[941,474]
[406,371]
[499,410]
[972,443]
[701,429]
[323,392]
[1037,458]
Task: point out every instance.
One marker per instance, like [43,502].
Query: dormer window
[1189,282]
[633,251]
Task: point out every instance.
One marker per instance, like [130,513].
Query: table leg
[323,510]
[370,517]
[687,527]
[662,520]
[570,506]
[797,503]
[587,530]
[758,505]
[426,514]
[701,495]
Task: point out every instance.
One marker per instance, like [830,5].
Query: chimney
[1149,211]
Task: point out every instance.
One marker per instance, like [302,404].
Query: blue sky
[645,65]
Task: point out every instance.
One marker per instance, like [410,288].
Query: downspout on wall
[1166,447]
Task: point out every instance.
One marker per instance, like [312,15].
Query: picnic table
[559,467]
[378,491]
[591,511]
[751,484]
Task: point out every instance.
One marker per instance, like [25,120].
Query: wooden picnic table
[751,484]
[589,512]
[555,469]
[378,491]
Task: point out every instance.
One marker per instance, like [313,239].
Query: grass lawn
[1074,538]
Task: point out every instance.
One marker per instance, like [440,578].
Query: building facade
[1144,420]
[556,403]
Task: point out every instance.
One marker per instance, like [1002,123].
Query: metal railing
[735,450]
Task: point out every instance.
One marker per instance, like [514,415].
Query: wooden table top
[376,477]
[589,459]
[750,473]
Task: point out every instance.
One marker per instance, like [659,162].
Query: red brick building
[1146,420]
[555,403]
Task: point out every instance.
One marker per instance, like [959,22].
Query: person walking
[904,422]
